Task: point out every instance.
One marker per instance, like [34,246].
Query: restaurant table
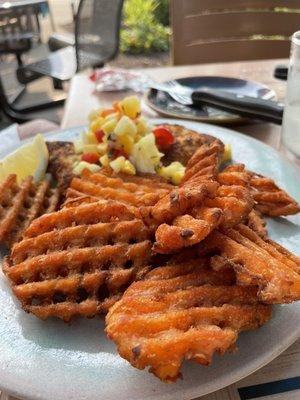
[279,379]
[82,99]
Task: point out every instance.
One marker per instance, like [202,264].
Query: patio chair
[230,30]
[16,32]
[97,27]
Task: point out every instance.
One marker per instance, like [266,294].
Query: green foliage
[142,32]
[162,12]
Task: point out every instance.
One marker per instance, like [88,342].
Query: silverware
[246,106]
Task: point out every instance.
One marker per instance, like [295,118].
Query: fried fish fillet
[61,159]
[79,260]
[258,262]
[187,142]
[21,204]
[182,311]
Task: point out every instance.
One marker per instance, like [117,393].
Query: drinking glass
[290,134]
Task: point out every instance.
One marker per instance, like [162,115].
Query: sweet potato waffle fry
[183,311]
[269,198]
[258,262]
[137,192]
[19,205]
[79,260]
[228,204]
[204,163]
[256,222]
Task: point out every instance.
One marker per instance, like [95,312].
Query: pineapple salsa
[121,138]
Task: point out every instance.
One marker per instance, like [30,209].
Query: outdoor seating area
[149,199]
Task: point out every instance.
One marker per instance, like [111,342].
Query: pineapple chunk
[96,124]
[125,126]
[85,165]
[118,164]
[94,114]
[227,156]
[131,106]
[109,126]
[78,146]
[145,155]
[142,126]
[89,138]
[128,168]
[127,143]
[102,148]
[112,116]
[104,160]
[90,148]
[173,172]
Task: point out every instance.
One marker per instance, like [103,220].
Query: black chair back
[97,30]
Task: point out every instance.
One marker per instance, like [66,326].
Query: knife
[246,106]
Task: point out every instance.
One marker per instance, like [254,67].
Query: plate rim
[222,382]
[230,120]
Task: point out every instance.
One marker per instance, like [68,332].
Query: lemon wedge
[30,159]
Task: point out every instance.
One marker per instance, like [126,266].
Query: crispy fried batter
[186,143]
[258,262]
[78,261]
[61,159]
[19,205]
[180,313]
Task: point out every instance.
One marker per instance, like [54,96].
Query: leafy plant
[162,12]
[142,33]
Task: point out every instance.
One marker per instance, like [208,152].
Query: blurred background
[144,42]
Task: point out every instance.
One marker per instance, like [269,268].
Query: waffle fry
[225,206]
[256,222]
[19,205]
[269,198]
[137,192]
[182,311]
[79,260]
[258,262]
[204,163]
[186,230]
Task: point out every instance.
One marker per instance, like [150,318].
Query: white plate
[51,360]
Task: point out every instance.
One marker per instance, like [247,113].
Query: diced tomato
[107,112]
[118,153]
[92,158]
[163,137]
[99,135]
[93,76]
